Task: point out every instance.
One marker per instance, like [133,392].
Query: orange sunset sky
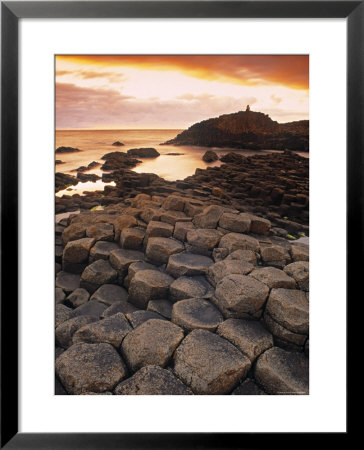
[165,92]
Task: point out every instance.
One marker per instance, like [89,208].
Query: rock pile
[165,294]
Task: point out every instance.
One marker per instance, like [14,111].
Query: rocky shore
[198,286]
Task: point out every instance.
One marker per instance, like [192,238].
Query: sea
[174,162]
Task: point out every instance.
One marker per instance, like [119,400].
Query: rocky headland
[246,130]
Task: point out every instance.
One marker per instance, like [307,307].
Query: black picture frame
[11,12]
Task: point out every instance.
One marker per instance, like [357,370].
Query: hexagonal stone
[180,230]
[90,308]
[67,281]
[258,225]
[238,223]
[238,295]
[121,259]
[132,238]
[152,380]
[289,308]
[136,318]
[196,313]
[90,367]
[73,232]
[75,255]
[102,250]
[221,269]
[193,207]
[300,252]
[109,294]
[162,307]
[122,222]
[78,297]
[173,202]
[282,373]
[247,335]
[149,214]
[96,274]
[160,249]
[62,313]
[282,336]
[172,217]
[219,254]
[274,254]
[111,330]
[189,287]
[148,285]
[244,255]
[202,241]
[66,330]
[188,264]
[134,268]
[159,229]
[237,241]
[300,272]
[59,296]
[101,231]
[248,387]
[209,217]
[119,307]
[209,364]
[153,342]
[273,277]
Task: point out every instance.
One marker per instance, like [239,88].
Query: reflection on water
[95,143]
[86,186]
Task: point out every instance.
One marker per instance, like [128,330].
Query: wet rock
[162,307]
[282,373]
[209,364]
[90,367]
[102,250]
[188,264]
[248,387]
[244,255]
[202,241]
[110,294]
[64,149]
[247,335]
[62,313]
[59,296]
[78,297]
[289,308]
[96,274]
[101,231]
[160,249]
[148,285]
[152,380]
[238,223]
[209,217]
[110,330]
[143,152]
[221,269]
[67,281]
[210,156]
[274,278]
[66,330]
[75,255]
[181,229]
[132,238]
[237,241]
[152,343]
[136,318]
[300,272]
[239,296]
[189,287]
[196,313]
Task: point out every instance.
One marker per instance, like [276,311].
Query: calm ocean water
[95,143]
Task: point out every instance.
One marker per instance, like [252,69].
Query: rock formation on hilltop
[248,130]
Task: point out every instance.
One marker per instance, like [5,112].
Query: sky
[176,91]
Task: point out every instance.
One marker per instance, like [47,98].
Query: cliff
[248,130]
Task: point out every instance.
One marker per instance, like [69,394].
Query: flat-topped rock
[102,250]
[172,217]
[121,259]
[289,308]
[132,238]
[209,217]
[78,297]
[274,255]
[96,274]
[101,231]
[62,313]
[181,229]
[136,318]
[259,225]
[75,254]
[196,313]
[189,287]
[300,272]
[109,294]
[148,285]
[110,330]
[90,308]
[59,296]
[247,335]
[221,269]
[188,264]
[237,241]
[202,241]
[162,307]
[122,306]
[67,281]
[239,296]
[238,223]
[159,249]
[152,380]
[90,367]
[244,255]
[159,229]
[174,202]
[283,336]
[152,343]
[273,277]
[73,232]
[281,372]
[300,252]
[66,330]
[209,364]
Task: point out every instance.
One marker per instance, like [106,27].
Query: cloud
[287,70]
[112,77]
[275,99]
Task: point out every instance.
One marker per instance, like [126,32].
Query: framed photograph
[171,172]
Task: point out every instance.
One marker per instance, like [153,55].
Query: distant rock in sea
[58,161]
[67,150]
[143,152]
[246,130]
[118,144]
[210,156]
